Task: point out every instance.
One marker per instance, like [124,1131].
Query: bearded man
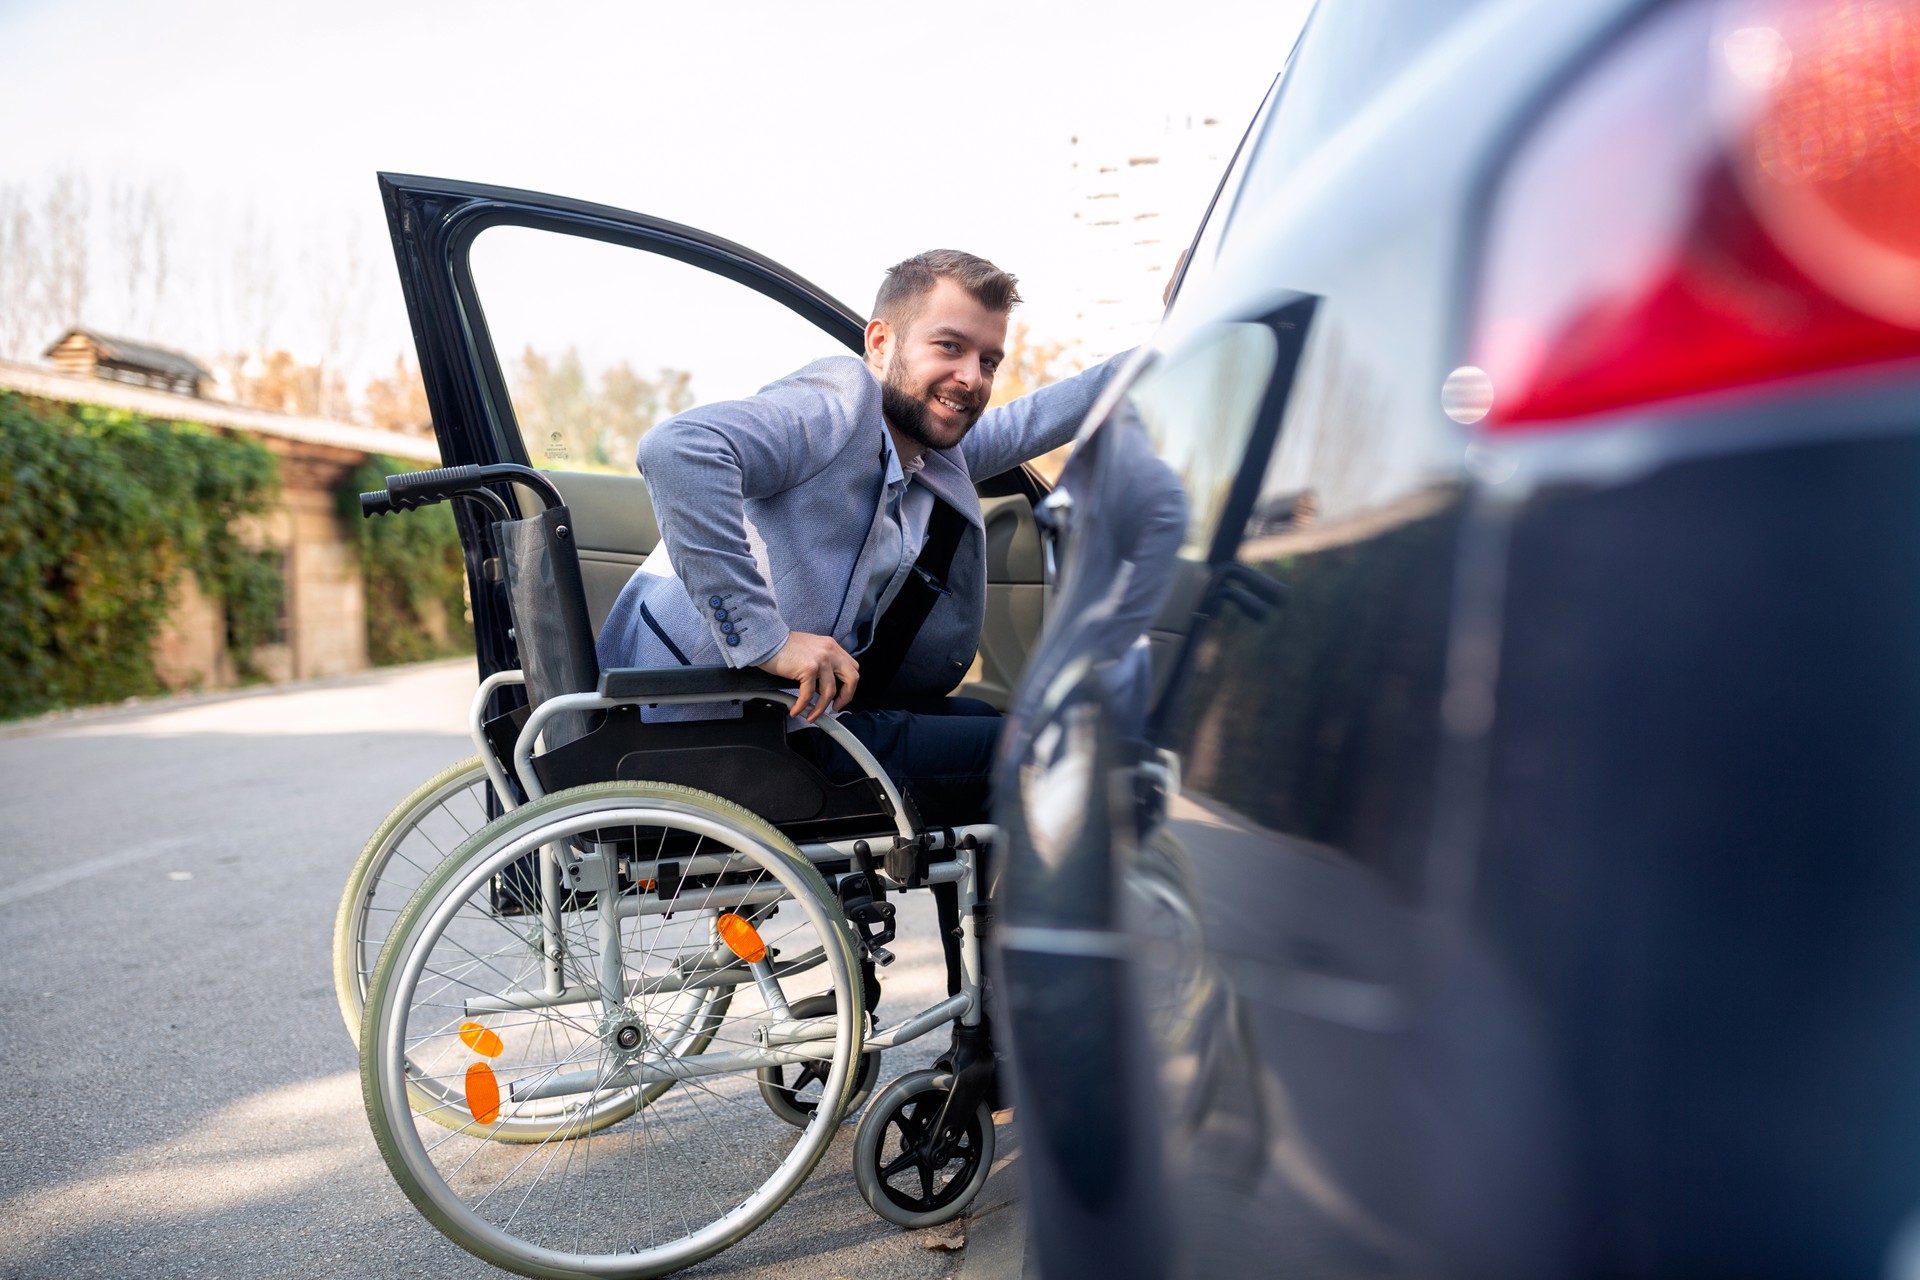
[790,521]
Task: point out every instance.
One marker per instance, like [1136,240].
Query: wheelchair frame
[577,864]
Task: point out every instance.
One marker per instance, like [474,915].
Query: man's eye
[990,365]
[953,347]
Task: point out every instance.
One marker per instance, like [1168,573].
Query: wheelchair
[612,978]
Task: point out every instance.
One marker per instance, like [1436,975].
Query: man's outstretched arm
[1041,420]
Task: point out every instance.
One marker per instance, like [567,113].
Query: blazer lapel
[947,476]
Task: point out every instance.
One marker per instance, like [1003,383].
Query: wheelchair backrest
[552,629]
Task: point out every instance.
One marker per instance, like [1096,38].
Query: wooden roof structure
[99,355]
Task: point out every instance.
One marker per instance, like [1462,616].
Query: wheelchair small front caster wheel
[910,1175]
[792,1092]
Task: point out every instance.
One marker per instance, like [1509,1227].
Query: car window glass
[1206,244]
[1199,407]
[1348,53]
[597,342]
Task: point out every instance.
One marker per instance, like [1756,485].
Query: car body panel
[1529,892]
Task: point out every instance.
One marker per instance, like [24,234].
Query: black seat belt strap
[894,634]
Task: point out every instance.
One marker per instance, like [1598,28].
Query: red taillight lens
[1730,196]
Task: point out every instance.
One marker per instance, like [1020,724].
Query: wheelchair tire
[894,1181]
[658,1186]
[414,839]
[790,1091]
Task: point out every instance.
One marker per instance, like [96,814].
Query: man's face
[936,372]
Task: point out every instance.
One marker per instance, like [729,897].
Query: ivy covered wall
[414,572]
[101,512]
[104,513]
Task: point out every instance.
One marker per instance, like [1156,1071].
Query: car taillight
[1730,195]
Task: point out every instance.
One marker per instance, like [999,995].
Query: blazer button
[721,614]
[733,639]
[727,627]
[713,602]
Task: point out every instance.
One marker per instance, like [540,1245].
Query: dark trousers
[938,750]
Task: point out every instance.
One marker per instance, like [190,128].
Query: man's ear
[879,342]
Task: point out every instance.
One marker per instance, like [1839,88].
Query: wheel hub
[624,1034]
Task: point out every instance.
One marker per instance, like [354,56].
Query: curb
[997,1231]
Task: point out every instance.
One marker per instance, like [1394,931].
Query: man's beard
[909,415]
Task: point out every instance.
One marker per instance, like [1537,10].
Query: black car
[1465,805]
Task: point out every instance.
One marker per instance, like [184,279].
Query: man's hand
[826,673]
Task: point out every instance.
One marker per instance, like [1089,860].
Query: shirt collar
[899,471]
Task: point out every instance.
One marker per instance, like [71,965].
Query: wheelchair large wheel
[561,1038]
[415,838]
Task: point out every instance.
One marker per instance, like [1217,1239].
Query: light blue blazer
[767,509]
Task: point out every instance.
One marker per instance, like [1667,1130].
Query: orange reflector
[483,1093]
[482,1041]
[742,938]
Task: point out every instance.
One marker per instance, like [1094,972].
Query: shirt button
[713,602]
[733,639]
[721,614]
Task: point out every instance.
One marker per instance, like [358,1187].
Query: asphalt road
[184,1099]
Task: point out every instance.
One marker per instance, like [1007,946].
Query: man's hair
[908,283]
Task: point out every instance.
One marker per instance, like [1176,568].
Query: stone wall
[326,624]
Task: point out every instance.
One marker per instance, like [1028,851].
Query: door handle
[1248,590]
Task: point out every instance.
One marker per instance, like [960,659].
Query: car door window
[1199,408]
[597,342]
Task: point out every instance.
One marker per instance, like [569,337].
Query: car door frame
[433,223]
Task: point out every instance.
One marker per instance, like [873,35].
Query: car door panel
[435,224]
[1016,599]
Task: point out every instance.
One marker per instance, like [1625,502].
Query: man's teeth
[953,405]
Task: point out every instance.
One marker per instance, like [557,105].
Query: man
[791,520]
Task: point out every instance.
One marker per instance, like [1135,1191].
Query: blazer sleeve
[703,465]
[1035,423]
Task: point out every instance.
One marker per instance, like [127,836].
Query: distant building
[96,355]
[1138,195]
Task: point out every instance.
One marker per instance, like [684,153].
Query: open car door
[554,332]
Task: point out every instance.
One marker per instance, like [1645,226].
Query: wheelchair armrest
[641,683]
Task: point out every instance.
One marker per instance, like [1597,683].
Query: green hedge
[100,513]
[414,570]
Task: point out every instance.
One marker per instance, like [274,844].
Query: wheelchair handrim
[427,917]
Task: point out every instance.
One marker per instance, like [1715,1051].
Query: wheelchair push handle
[413,489]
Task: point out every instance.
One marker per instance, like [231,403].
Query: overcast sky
[833,137]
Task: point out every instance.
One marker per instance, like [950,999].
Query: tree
[341,289]
[1029,365]
[630,405]
[19,275]
[140,233]
[280,381]
[398,403]
[66,261]
[569,423]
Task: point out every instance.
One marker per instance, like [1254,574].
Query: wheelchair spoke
[599,1165]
